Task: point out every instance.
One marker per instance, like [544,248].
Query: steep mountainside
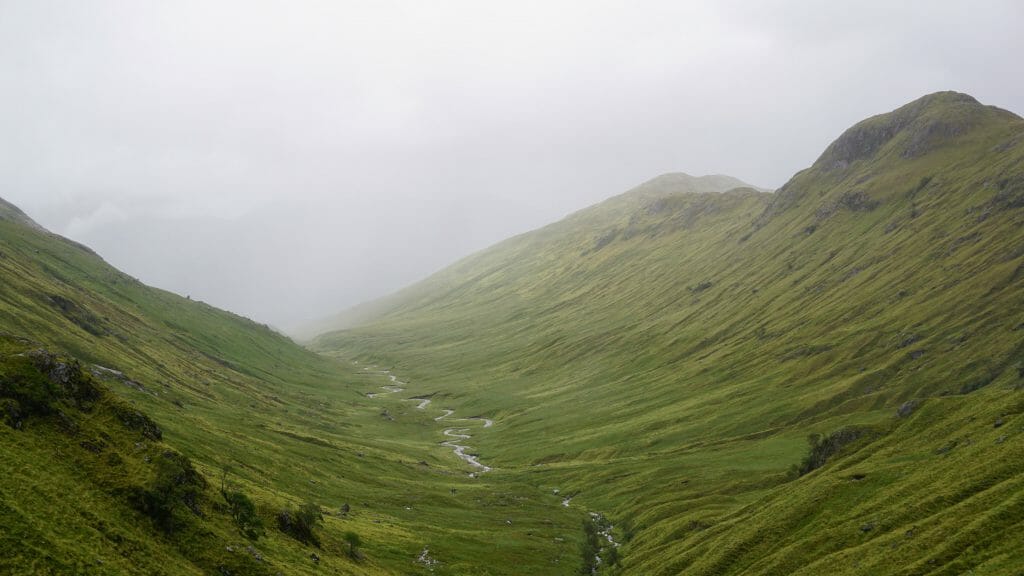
[654,189]
[826,378]
[131,419]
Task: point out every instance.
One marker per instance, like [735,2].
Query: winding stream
[460,450]
[456,434]
[455,437]
[604,531]
[423,402]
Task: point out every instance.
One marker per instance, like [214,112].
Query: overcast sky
[286,160]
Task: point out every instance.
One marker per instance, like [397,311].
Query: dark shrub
[38,381]
[354,542]
[22,381]
[243,512]
[10,411]
[824,448]
[300,523]
[177,483]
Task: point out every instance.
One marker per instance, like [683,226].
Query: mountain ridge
[669,361]
[681,183]
[926,122]
[12,213]
[653,194]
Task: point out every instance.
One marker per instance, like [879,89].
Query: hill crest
[914,129]
[12,213]
[683,183]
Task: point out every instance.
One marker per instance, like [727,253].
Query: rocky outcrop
[915,129]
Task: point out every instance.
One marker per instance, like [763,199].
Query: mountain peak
[682,183]
[945,97]
[911,130]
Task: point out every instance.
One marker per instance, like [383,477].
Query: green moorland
[827,378]
[133,419]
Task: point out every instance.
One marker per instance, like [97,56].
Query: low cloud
[287,160]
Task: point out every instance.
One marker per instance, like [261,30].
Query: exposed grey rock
[907,408]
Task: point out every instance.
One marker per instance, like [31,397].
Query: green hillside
[824,378]
[696,376]
[665,184]
[233,407]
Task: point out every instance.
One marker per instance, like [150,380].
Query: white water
[487,421]
[423,402]
[388,389]
[460,450]
[607,532]
[425,559]
[456,433]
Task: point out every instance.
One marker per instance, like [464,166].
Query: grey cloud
[287,159]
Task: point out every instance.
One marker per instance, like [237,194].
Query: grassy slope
[667,356]
[292,425]
[671,183]
[70,460]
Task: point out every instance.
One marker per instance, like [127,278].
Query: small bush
[177,483]
[593,545]
[243,512]
[590,548]
[29,388]
[300,523]
[354,542]
[10,412]
[823,448]
[35,384]
[242,509]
